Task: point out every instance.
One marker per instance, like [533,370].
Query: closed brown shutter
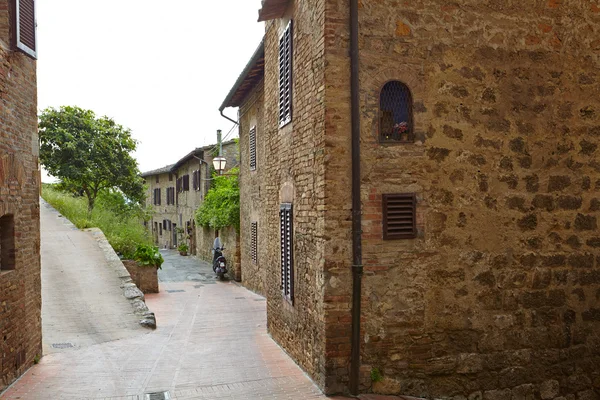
[287,243]
[24,27]
[285,76]
[252,149]
[399,216]
[254,242]
[186,183]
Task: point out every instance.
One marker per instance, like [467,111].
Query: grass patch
[122,224]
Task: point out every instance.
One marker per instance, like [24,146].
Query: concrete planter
[145,278]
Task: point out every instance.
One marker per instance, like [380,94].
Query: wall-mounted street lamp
[219,163]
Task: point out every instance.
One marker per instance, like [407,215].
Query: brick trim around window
[399,216]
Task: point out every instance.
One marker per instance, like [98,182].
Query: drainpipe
[357,267]
[226,117]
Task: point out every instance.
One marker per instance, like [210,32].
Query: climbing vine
[221,206]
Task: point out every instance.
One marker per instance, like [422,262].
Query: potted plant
[183,249]
[147,260]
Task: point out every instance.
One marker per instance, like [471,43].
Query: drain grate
[239,298]
[158,396]
[260,299]
[175,291]
[62,345]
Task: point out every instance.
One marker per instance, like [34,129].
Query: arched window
[396,113]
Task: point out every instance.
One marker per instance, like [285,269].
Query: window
[196,180]
[287,262]
[160,227]
[157,178]
[285,76]
[399,216]
[252,148]
[24,28]
[254,242]
[170,196]
[395,113]
[170,177]
[164,224]
[157,197]
[179,185]
[186,183]
[7,243]
[169,225]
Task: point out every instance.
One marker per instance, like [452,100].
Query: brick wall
[295,168]
[498,295]
[253,192]
[20,288]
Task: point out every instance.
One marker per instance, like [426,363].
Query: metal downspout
[226,117]
[357,267]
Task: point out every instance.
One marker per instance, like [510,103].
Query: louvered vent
[287,262]
[25,27]
[285,76]
[252,149]
[399,216]
[254,242]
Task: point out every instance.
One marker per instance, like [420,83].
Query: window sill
[6,272]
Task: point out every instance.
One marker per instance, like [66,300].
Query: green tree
[221,206]
[89,154]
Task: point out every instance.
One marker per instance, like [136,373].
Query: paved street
[211,341]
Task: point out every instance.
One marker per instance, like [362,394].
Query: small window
[164,224]
[186,183]
[252,157]
[396,113]
[160,229]
[7,243]
[287,253]
[157,178]
[254,242]
[24,28]
[179,185]
[399,216]
[285,76]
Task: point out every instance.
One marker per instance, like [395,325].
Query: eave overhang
[252,74]
[272,9]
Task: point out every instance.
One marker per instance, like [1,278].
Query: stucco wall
[20,288]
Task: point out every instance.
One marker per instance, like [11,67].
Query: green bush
[183,248]
[148,255]
[221,206]
[120,221]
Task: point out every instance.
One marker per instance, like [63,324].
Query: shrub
[183,248]
[148,255]
[221,206]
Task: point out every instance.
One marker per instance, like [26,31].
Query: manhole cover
[158,396]
[62,345]
[197,286]
[175,291]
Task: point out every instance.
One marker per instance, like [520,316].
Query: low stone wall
[230,238]
[145,278]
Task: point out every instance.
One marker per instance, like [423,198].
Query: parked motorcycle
[219,261]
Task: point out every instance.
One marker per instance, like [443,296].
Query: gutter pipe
[226,117]
[357,267]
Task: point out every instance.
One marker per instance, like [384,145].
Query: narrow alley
[211,341]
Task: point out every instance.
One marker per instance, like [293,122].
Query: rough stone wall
[163,211]
[187,204]
[295,166]
[230,239]
[498,297]
[144,277]
[20,288]
[252,191]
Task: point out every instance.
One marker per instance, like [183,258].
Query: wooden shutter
[24,27]
[287,261]
[399,216]
[285,76]
[165,224]
[254,242]
[186,183]
[159,196]
[252,148]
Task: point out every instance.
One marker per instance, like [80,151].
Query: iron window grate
[252,149]
[254,242]
[287,261]
[395,113]
[399,216]
[285,76]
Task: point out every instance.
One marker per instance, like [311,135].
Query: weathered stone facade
[498,296]
[20,284]
[167,218]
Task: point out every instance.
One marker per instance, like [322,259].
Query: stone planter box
[145,278]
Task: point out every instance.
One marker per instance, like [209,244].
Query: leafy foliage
[89,154]
[148,255]
[183,247]
[221,206]
[123,229]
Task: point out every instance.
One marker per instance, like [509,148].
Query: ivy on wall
[221,206]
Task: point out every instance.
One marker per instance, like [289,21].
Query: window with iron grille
[186,183]
[396,113]
[7,243]
[252,157]
[287,253]
[285,75]
[399,216]
[24,32]
[254,242]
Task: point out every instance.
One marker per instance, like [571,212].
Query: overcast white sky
[160,68]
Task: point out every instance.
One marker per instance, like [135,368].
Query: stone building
[20,284]
[176,191]
[479,125]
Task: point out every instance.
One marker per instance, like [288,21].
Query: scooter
[219,261]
